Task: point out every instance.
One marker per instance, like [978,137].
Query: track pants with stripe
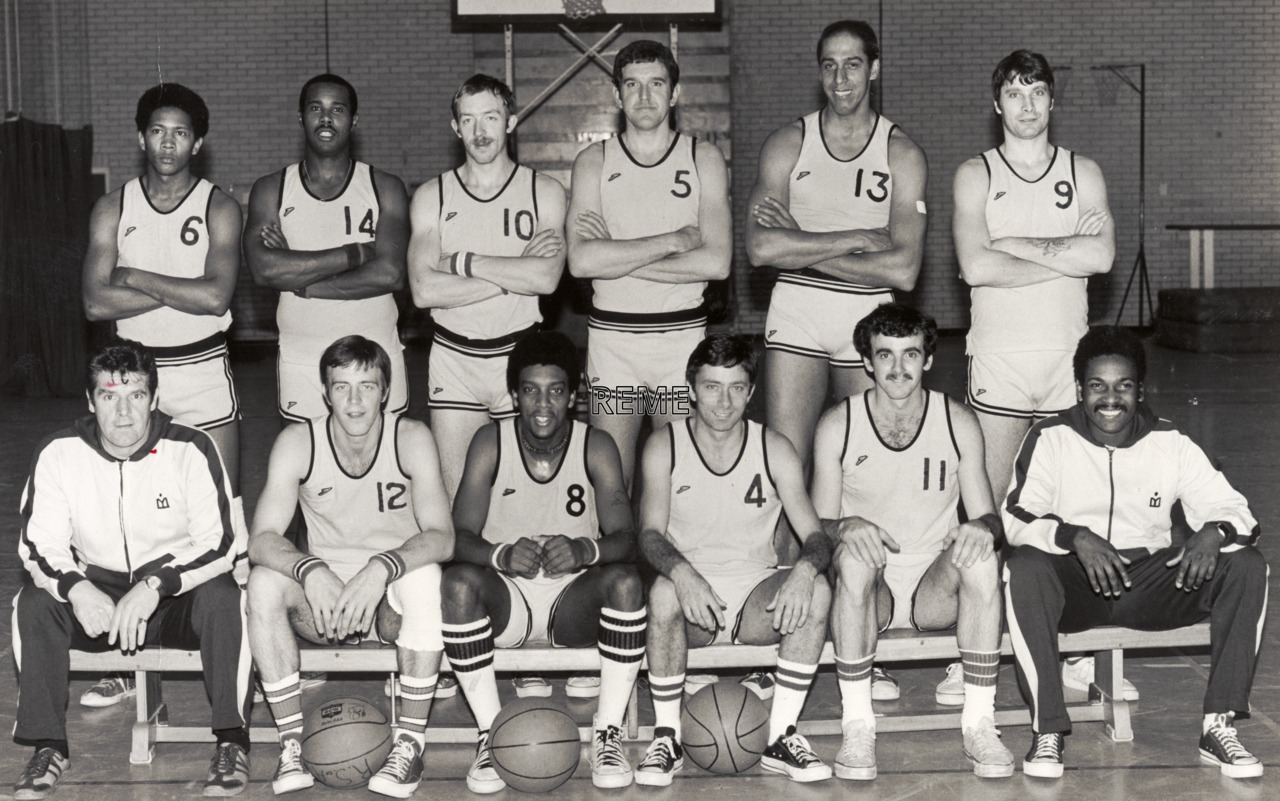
[1047,593]
[209,618]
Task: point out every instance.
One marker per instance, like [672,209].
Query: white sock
[621,644]
[667,692]
[855,691]
[793,682]
[979,703]
[1213,717]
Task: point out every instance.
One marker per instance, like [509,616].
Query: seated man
[127,474]
[545,551]
[714,488]
[1090,512]
[378,528]
[890,467]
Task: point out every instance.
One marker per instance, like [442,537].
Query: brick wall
[1211,119]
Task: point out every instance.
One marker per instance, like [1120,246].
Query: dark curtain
[46,194]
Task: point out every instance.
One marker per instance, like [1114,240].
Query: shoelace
[400,758]
[799,748]
[290,757]
[224,760]
[858,747]
[953,669]
[40,765]
[1226,737]
[1047,747]
[661,754]
[483,762]
[610,746]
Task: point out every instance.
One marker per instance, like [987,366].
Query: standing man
[1090,512]
[838,209]
[714,488]
[127,474]
[1031,225]
[890,467]
[488,241]
[378,529]
[330,234]
[650,226]
[545,554]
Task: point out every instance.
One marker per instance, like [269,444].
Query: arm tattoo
[1051,247]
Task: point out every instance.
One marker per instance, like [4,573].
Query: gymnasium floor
[1225,401]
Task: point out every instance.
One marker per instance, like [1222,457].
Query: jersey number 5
[685,189]
[755,492]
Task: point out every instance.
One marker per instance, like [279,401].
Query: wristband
[466,263]
[595,546]
[496,553]
[354,256]
[453,264]
[393,562]
[305,565]
[993,523]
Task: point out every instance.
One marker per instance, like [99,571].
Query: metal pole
[57,64]
[8,63]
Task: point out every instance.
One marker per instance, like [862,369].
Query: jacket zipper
[124,535]
[1111,480]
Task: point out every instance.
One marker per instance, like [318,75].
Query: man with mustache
[330,234]
[488,241]
[1090,510]
[890,467]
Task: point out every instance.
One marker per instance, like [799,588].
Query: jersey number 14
[366,225]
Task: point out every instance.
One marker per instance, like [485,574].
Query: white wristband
[495,553]
[595,546]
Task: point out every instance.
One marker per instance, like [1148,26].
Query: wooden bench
[1105,703]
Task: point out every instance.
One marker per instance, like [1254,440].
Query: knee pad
[415,596]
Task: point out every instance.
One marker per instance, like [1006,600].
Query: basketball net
[581,9]
[1108,87]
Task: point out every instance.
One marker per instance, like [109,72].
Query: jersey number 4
[755,493]
[366,225]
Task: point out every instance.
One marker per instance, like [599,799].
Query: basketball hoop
[582,9]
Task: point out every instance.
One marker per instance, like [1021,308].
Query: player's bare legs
[1003,436]
[862,606]
[453,430]
[625,430]
[795,393]
[846,381]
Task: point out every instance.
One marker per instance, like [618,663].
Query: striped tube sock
[470,650]
[284,697]
[855,690]
[793,684]
[980,671]
[415,704]
[667,693]
[621,637]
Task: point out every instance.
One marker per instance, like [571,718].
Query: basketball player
[164,252]
[1031,225]
[128,542]
[1090,512]
[890,466]
[330,234]
[650,226]
[488,240]
[838,209]
[544,555]
[714,487]
[378,529]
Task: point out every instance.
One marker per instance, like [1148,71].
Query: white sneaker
[884,687]
[759,682]
[531,686]
[857,757]
[609,766]
[481,777]
[1078,673]
[982,746]
[582,686]
[696,681]
[950,690]
[446,687]
[291,774]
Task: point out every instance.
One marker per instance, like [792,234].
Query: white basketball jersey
[1052,315]
[832,194]
[309,325]
[173,243]
[640,200]
[911,492]
[350,518]
[501,225]
[723,523]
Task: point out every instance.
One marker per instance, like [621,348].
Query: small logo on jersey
[682,489]
[595,379]
[615,175]
[290,404]
[769,335]
[861,459]
[998,195]
[286,212]
[326,490]
[1154,503]
[130,230]
[162,502]
[802,175]
[980,392]
[508,491]
[450,216]
[437,390]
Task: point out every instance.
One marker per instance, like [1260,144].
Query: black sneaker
[1045,757]
[40,775]
[1220,746]
[228,771]
[663,759]
[791,755]
[402,772]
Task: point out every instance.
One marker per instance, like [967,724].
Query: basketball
[345,741]
[534,745]
[725,728]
